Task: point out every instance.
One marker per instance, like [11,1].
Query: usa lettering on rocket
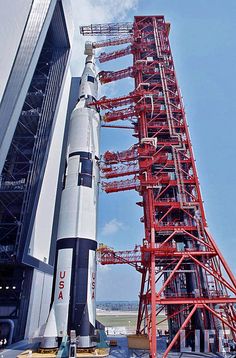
[74,285]
[61,284]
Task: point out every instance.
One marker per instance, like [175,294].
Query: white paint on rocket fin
[91,289]
[51,326]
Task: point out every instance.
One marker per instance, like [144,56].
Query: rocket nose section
[90,60]
[89,80]
[89,51]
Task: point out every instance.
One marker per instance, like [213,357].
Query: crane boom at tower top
[110,29]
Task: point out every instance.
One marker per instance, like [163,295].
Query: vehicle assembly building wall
[34,92]
[18,11]
[25,61]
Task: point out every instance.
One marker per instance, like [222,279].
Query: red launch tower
[184,274]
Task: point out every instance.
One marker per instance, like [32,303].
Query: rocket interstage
[73,305]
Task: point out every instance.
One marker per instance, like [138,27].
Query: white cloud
[86,12]
[112,227]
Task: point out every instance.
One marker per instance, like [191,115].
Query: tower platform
[98,353]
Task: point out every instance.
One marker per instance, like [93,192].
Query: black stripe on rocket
[85,177]
[78,318]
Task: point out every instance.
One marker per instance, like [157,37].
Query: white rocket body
[73,306]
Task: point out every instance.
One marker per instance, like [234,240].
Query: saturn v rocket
[73,304]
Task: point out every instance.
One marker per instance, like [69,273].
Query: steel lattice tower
[183,272]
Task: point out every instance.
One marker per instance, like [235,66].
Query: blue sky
[204,49]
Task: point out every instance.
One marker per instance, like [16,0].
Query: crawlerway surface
[120,351]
